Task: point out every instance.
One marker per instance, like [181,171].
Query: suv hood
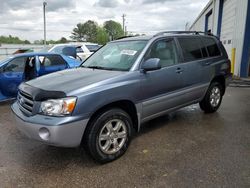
[72,79]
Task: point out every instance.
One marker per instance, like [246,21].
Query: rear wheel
[212,100]
[108,135]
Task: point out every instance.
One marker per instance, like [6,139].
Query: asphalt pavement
[186,148]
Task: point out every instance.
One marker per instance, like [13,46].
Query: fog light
[44,133]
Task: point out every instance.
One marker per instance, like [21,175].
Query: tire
[212,100]
[104,140]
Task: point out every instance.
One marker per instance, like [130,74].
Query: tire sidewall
[213,108]
[97,126]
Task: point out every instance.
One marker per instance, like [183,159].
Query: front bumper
[57,131]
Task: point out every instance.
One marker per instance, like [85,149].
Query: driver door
[11,76]
[161,88]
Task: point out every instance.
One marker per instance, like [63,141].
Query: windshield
[116,56]
[5,60]
[57,49]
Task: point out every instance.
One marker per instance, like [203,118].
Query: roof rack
[185,32]
[123,37]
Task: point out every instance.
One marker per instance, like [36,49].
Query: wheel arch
[220,79]
[126,105]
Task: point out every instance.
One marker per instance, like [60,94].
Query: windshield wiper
[95,67]
[99,67]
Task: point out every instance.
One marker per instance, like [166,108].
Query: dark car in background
[125,83]
[26,66]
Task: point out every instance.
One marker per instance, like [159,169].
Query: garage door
[227,26]
[209,23]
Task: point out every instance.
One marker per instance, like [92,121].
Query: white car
[83,49]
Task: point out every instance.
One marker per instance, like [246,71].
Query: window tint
[190,48]
[51,60]
[203,49]
[16,65]
[165,50]
[212,47]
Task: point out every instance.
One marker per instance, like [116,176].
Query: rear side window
[212,47]
[51,60]
[190,48]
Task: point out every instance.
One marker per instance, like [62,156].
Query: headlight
[58,107]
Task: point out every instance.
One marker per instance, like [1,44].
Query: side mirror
[151,64]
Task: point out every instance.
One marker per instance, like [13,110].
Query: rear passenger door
[193,67]
[50,63]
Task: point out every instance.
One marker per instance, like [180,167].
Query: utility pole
[123,24]
[44,23]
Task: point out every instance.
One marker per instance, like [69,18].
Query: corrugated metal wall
[232,28]
[239,31]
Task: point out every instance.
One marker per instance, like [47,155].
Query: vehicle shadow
[157,123]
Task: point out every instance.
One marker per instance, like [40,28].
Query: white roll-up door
[227,25]
[209,22]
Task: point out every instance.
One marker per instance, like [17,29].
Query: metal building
[229,20]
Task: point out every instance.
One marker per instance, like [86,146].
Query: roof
[144,37]
[164,34]
[34,53]
[75,44]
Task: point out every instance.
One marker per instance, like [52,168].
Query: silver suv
[125,83]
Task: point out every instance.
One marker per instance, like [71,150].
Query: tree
[90,30]
[78,33]
[102,36]
[86,31]
[12,40]
[63,40]
[114,29]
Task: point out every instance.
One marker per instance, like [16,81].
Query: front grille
[25,102]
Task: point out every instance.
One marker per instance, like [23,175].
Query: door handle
[207,63]
[179,70]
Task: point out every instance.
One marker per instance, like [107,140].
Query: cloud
[52,5]
[25,19]
[157,1]
[107,3]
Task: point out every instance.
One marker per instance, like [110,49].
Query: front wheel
[212,100]
[108,135]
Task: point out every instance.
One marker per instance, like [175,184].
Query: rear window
[212,47]
[190,48]
[92,47]
[51,60]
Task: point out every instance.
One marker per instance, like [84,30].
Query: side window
[51,60]
[15,65]
[203,49]
[190,48]
[212,47]
[165,50]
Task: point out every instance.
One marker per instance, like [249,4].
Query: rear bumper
[228,79]
[57,131]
